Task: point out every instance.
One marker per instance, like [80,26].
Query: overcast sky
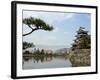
[65,27]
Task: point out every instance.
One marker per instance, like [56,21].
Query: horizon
[48,47]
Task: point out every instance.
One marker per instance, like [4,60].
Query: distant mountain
[62,50]
[50,47]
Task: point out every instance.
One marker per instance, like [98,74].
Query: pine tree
[36,24]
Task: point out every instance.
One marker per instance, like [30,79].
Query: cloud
[45,40]
[70,15]
[49,17]
[51,38]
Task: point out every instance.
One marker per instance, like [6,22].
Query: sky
[65,26]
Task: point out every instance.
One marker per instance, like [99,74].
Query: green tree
[27,45]
[85,42]
[42,52]
[36,24]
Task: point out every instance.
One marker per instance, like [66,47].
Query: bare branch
[28,33]
[31,31]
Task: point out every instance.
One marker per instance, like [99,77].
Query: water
[45,62]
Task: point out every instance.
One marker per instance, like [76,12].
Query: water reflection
[33,62]
[42,58]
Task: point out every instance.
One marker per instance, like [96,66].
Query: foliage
[85,42]
[36,24]
[80,58]
[27,45]
[39,52]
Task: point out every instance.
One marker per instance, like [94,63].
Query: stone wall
[80,57]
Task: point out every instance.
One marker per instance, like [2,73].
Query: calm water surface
[45,62]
